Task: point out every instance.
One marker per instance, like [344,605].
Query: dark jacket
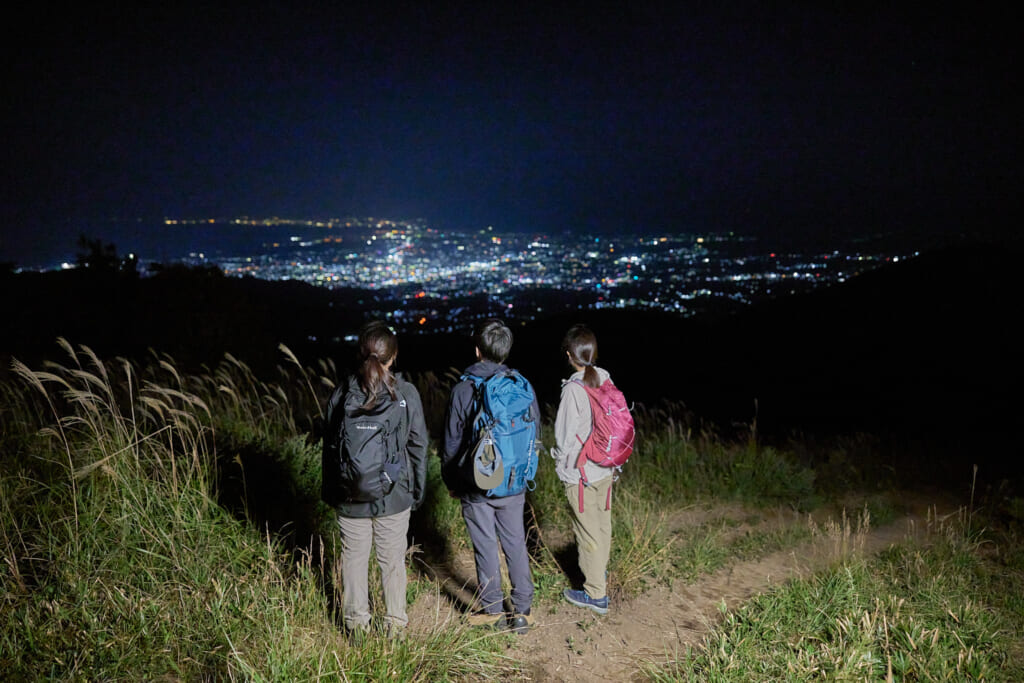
[459,433]
[410,489]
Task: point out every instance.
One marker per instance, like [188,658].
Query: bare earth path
[571,644]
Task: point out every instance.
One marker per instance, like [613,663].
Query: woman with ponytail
[592,520]
[374,508]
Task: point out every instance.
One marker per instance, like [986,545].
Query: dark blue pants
[488,521]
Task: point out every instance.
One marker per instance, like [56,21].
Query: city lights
[426,278]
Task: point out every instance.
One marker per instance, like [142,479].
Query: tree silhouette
[102,258]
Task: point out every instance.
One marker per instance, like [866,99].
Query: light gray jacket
[572,427]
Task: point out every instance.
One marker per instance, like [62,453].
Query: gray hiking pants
[488,521]
[388,536]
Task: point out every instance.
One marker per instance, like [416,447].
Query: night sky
[790,124]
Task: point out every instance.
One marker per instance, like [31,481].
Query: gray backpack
[363,454]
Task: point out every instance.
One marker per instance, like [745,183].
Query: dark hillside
[195,316]
[922,354]
[913,347]
[925,349]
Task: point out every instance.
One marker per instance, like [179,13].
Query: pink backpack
[612,433]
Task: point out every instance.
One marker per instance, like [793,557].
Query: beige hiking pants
[388,536]
[593,530]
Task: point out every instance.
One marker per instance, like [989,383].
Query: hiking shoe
[521,623]
[496,621]
[581,599]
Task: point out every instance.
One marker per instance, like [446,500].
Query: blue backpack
[504,453]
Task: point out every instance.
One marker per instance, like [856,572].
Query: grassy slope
[159,524]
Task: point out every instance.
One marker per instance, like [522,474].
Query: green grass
[640,548]
[939,611]
[673,466]
[714,544]
[120,564]
[161,525]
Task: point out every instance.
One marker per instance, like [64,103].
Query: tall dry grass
[120,563]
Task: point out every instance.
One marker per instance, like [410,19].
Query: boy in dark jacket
[489,520]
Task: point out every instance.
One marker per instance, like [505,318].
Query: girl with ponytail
[592,521]
[378,347]
[375,403]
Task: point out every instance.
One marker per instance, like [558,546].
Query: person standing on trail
[374,473]
[493,500]
[590,500]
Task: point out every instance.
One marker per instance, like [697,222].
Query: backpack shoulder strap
[581,459]
[582,385]
[479,386]
[477,381]
[335,411]
[403,416]
[591,396]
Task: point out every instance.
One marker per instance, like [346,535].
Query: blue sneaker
[581,599]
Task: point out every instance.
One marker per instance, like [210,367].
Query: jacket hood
[602,376]
[485,368]
[356,389]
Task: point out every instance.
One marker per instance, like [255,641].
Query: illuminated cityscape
[427,279]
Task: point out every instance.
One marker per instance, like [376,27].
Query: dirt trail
[571,644]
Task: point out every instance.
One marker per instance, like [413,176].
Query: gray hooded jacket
[572,427]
